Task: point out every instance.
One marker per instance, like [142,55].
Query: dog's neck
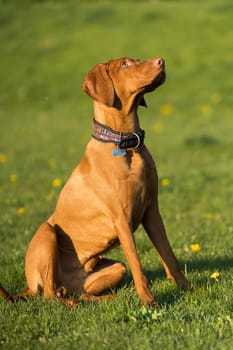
[116,119]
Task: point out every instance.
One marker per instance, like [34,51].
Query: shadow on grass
[198,265]
[172,294]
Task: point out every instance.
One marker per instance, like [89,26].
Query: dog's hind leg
[42,266]
[107,274]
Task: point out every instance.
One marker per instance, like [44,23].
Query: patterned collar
[123,140]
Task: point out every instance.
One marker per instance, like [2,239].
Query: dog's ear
[98,85]
[143,102]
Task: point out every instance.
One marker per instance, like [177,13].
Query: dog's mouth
[159,80]
[156,82]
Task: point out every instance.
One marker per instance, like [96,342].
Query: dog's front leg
[155,229]
[127,242]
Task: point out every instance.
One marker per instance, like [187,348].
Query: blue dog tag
[118,152]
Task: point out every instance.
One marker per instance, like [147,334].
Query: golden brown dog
[111,192]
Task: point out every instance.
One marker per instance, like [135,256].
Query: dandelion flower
[56,182]
[165,182]
[13,178]
[21,211]
[206,109]
[195,247]
[3,158]
[215,275]
[166,109]
[208,216]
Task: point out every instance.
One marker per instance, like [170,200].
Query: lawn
[45,123]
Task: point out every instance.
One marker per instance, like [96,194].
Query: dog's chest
[130,185]
[129,169]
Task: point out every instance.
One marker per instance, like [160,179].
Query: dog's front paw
[148,299]
[151,303]
[184,285]
[180,280]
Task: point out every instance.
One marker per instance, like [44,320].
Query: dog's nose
[160,62]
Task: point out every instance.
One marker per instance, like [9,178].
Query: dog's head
[124,79]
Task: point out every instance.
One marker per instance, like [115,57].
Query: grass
[46,50]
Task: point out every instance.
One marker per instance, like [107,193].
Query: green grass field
[45,123]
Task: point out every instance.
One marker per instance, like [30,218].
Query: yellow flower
[206,109]
[13,178]
[56,182]
[215,275]
[208,216]
[195,247]
[166,109]
[3,158]
[158,127]
[165,182]
[21,211]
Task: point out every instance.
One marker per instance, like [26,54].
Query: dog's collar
[123,140]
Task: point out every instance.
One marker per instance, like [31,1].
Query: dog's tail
[5,294]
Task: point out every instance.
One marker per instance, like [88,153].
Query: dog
[112,191]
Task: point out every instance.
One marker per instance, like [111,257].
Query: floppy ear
[143,102]
[98,85]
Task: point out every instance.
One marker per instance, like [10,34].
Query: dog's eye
[124,64]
